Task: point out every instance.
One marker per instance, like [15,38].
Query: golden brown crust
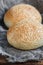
[26,35]
[19,12]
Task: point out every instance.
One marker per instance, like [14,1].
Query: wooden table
[3,60]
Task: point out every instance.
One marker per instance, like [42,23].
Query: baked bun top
[26,35]
[19,12]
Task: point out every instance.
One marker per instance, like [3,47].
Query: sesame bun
[26,35]
[20,12]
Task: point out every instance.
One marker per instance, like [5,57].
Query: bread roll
[26,35]
[19,12]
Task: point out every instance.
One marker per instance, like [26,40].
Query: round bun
[20,12]
[25,35]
